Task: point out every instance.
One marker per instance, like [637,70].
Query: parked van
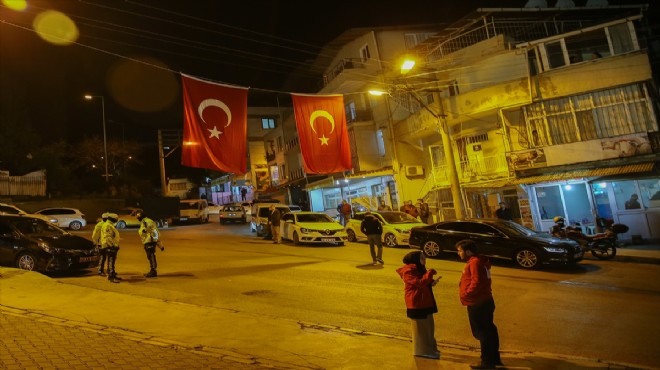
[259,219]
[194,210]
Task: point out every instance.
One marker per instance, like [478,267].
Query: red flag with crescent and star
[323,134]
[214,126]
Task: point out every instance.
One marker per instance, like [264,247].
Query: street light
[105,142]
[443,128]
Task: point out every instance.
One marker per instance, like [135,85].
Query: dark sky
[130,52]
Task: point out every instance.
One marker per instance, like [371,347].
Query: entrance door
[570,201]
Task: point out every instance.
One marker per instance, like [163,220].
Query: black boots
[151,273]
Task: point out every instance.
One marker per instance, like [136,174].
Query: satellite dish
[597,3]
[536,4]
[565,4]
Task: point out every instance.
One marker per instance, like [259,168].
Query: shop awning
[576,174]
[323,183]
[376,173]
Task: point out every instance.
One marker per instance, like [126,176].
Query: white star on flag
[214,133]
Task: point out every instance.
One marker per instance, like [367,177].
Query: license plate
[330,240]
[184,218]
[89,259]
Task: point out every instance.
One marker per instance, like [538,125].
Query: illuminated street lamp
[105,142]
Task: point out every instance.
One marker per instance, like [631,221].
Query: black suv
[30,243]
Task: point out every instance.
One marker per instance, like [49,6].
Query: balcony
[481,168]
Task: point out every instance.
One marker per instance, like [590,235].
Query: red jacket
[474,287]
[417,287]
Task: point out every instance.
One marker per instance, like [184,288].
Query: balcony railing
[482,166]
[347,63]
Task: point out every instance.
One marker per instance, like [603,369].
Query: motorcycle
[602,246]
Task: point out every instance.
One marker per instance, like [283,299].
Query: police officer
[150,237]
[110,241]
[96,238]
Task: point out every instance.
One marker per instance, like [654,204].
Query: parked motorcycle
[601,246]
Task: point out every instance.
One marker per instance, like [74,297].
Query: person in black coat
[504,212]
[373,229]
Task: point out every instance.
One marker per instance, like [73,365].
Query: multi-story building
[553,111]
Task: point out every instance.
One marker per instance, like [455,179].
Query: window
[555,54]
[364,53]
[351,112]
[268,123]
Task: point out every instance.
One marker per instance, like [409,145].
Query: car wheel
[390,240]
[431,249]
[351,235]
[121,225]
[527,259]
[26,261]
[296,238]
[75,225]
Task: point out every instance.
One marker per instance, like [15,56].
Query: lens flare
[18,5]
[55,27]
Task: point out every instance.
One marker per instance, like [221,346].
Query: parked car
[499,239]
[396,227]
[214,209]
[126,217]
[69,218]
[10,209]
[30,243]
[312,227]
[193,210]
[232,213]
[259,219]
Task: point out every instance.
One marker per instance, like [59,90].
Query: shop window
[549,200]
[649,193]
[623,190]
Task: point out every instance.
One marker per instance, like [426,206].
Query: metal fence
[32,184]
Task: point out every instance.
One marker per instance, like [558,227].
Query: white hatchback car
[70,218]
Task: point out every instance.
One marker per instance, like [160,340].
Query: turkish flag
[321,123]
[214,126]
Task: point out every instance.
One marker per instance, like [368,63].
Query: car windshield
[512,228]
[397,217]
[188,205]
[36,227]
[314,218]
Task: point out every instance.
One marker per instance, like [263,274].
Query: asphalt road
[601,309]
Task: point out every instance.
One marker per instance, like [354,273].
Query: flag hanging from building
[214,126]
[322,131]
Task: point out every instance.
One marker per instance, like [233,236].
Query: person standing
[274,221]
[96,238]
[150,238]
[424,212]
[346,211]
[420,303]
[504,212]
[633,203]
[410,209]
[373,229]
[475,293]
[243,193]
[383,206]
[110,241]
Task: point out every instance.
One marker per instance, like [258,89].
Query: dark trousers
[112,258]
[483,328]
[103,254]
[150,249]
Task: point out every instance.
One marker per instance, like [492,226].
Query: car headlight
[555,249]
[48,248]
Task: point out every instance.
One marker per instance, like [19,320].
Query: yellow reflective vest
[109,235]
[148,231]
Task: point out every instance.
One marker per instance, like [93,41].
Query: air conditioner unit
[414,171]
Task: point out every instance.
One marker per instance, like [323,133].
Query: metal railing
[337,69]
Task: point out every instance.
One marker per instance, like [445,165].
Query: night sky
[131,51]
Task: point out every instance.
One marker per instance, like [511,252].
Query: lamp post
[105,141]
[443,128]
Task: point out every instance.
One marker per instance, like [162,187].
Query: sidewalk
[47,324]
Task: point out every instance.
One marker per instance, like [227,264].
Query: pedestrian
[420,303]
[110,241]
[410,209]
[633,203]
[373,229]
[346,211]
[504,212]
[424,212]
[96,238]
[383,206]
[150,238]
[274,221]
[243,193]
[475,293]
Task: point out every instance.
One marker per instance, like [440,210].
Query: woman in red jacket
[420,303]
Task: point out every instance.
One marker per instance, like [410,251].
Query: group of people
[474,292]
[106,237]
[420,210]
